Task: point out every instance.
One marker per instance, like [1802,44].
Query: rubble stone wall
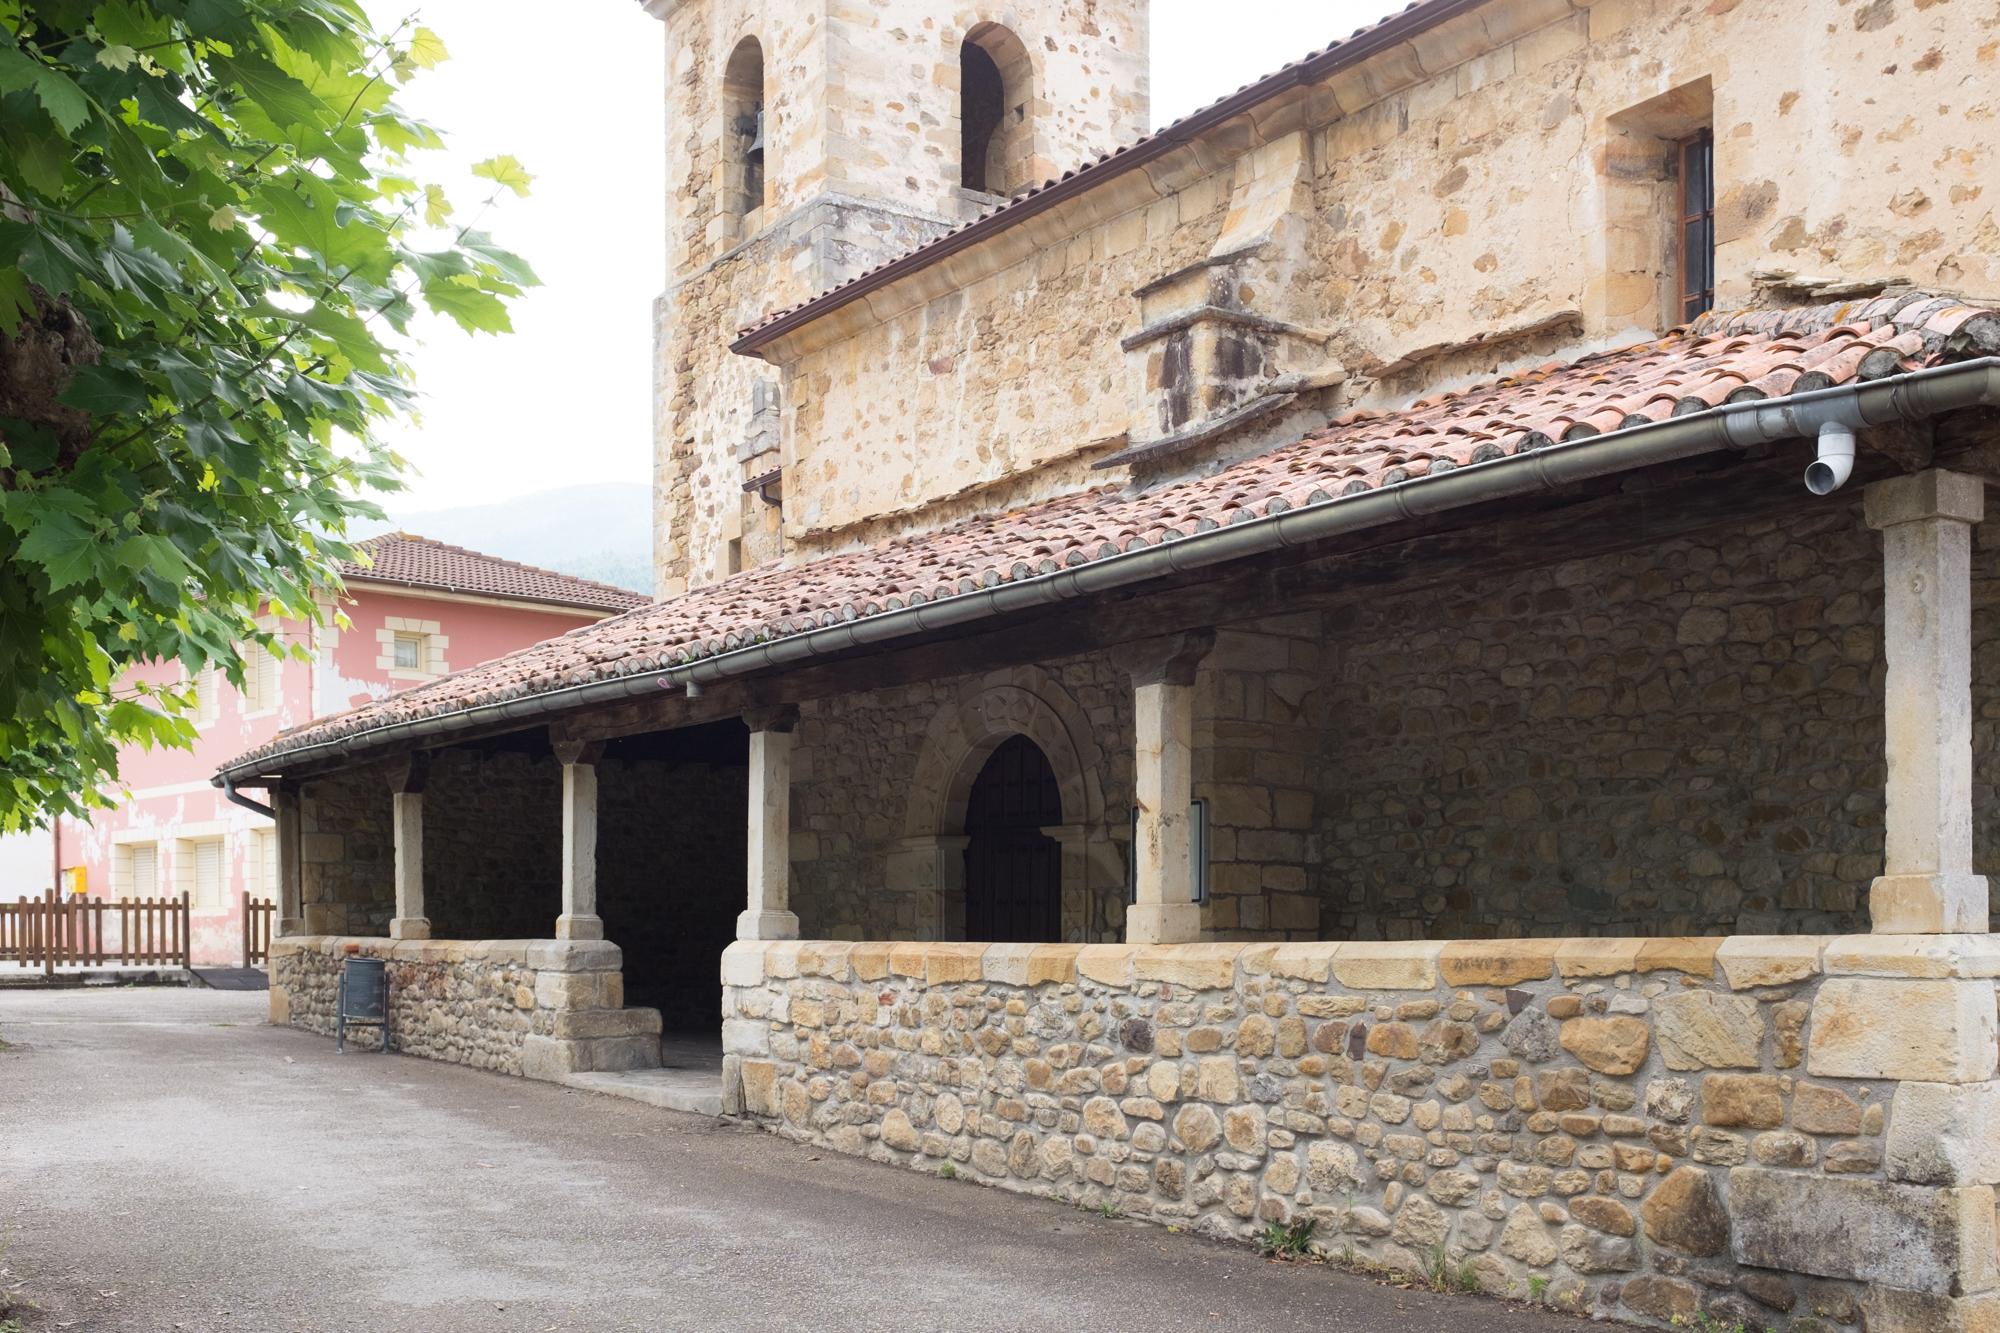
[492,844]
[347,853]
[1791,1131]
[539,1008]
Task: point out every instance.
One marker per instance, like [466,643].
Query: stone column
[406,786]
[1927,885]
[285,806]
[579,919]
[1164,910]
[769,880]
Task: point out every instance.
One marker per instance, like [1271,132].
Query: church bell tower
[809,141]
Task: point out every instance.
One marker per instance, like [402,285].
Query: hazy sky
[568,397]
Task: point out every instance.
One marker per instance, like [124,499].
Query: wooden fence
[51,932]
[258,913]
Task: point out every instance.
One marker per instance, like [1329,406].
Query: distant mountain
[602,531]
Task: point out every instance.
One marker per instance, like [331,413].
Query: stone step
[591,1024]
[697,1092]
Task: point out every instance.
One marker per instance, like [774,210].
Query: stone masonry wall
[1644,1129]
[1489,194]
[492,845]
[1681,739]
[860,762]
[539,1008]
[347,853]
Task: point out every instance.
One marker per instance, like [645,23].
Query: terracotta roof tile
[418,562]
[1720,356]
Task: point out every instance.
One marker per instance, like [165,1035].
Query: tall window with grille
[1697,224]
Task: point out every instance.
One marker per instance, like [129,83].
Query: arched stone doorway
[989,711]
[1013,868]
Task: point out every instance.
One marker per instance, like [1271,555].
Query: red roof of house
[1721,358]
[411,561]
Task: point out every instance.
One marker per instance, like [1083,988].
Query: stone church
[1399,652]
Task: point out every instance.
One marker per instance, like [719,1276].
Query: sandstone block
[1497,962]
[1607,1045]
[1526,1238]
[760,1087]
[590,1024]
[1664,1298]
[1198,1128]
[1196,966]
[870,960]
[1907,1236]
[1305,961]
[742,963]
[950,961]
[1823,1110]
[1708,1030]
[900,1134]
[826,958]
[1922,1030]
[1102,1117]
[1007,964]
[1396,1041]
[1943,1134]
[1592,1252]
[1053,964]
[575,956]
[1684,1213]
[550,1059]
[1607,1215]
[1332,1167]
[1748,961]
[1107,964]
[1390,965]
[613,1055]
[1747,1101]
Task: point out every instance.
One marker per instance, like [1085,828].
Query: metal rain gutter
[1907,396]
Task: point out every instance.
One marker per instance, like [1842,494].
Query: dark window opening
[1697,225]
[1013,871]
[744,129]
[983,101]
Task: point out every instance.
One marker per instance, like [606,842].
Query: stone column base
[1162,923]
[1946,904]
[410,928]
[579,927]
[767,926]
[289,925]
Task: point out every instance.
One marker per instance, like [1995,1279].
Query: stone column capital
[1932,493]
[408,774]
[1171,659]
[773,717]
[569,752]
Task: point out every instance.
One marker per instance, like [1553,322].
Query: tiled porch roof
[1722,357]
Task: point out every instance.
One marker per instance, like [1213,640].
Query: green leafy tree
[210,238]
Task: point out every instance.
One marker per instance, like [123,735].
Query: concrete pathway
[167,1162]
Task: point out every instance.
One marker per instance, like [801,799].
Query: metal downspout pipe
[1908,396]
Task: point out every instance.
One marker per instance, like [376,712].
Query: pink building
[420,610]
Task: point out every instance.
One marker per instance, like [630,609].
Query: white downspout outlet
[1830,471]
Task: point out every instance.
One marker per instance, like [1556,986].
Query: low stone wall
[539,1008]
[1801,1133]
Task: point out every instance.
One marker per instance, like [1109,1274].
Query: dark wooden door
[1013,871]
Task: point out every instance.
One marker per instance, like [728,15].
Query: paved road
[169,1163]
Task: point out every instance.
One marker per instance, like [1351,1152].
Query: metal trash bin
[364,1000]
